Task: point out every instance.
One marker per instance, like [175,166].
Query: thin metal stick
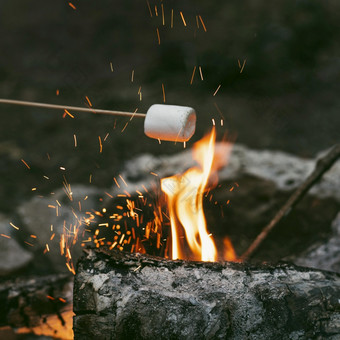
[322,165]
[72,108]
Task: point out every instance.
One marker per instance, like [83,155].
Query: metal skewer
[72,108]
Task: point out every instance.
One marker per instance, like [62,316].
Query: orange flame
[190,237]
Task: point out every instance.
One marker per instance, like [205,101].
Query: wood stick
[73,108]
[322,165]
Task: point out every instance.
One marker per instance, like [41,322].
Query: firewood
[27,302]
[132,296]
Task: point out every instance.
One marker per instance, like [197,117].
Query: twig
[322,165]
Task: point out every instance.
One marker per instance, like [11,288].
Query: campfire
[190,284]
[114,224]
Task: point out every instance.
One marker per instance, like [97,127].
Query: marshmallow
[170,122]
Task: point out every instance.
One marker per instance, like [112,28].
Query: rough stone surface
[285,170]
[324,255]
[122,296]
[13,256]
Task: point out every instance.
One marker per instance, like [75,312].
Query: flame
[190,237]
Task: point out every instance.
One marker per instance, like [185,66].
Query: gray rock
[326,255]
[13,256]
[284,170]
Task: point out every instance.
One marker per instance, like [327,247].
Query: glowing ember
[190,237]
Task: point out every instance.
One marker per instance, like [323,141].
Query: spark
[243,65]
[120,176]
[57,92]
[163,20]
[125,127]
[72,6]
[62,168]
[30,244]
[201,74]
[182,16]
[172,18]
[147,2]
[100,145]
[114,178]
[6,236]
[107,135]
[158,36]
[163,93]
[113,245]
[156,12]
[218,110]
[70,269]
[111,66]
[127,193]
[222,122]
[140,95]
[193,75]
[106,193]
[47,247]
[28,167]
[134,112]
[197,23]
[88,100]
[34,189]
[14,226]
[90,179]
[66,112]
[75,140]
[153,173]
[219,86]
[202,22]
[132,75]
[213,121]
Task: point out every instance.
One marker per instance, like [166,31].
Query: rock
[324,255]
[284,170]
[13,256]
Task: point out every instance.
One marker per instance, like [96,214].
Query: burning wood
[133,296]
[40,305]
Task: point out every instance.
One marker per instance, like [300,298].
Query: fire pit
[119,294]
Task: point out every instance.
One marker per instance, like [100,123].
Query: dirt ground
[286,96]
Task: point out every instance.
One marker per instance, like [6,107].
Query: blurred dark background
[286,97]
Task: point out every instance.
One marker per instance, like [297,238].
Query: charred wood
[132,296]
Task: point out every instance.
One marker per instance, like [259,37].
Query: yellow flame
[190,237]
